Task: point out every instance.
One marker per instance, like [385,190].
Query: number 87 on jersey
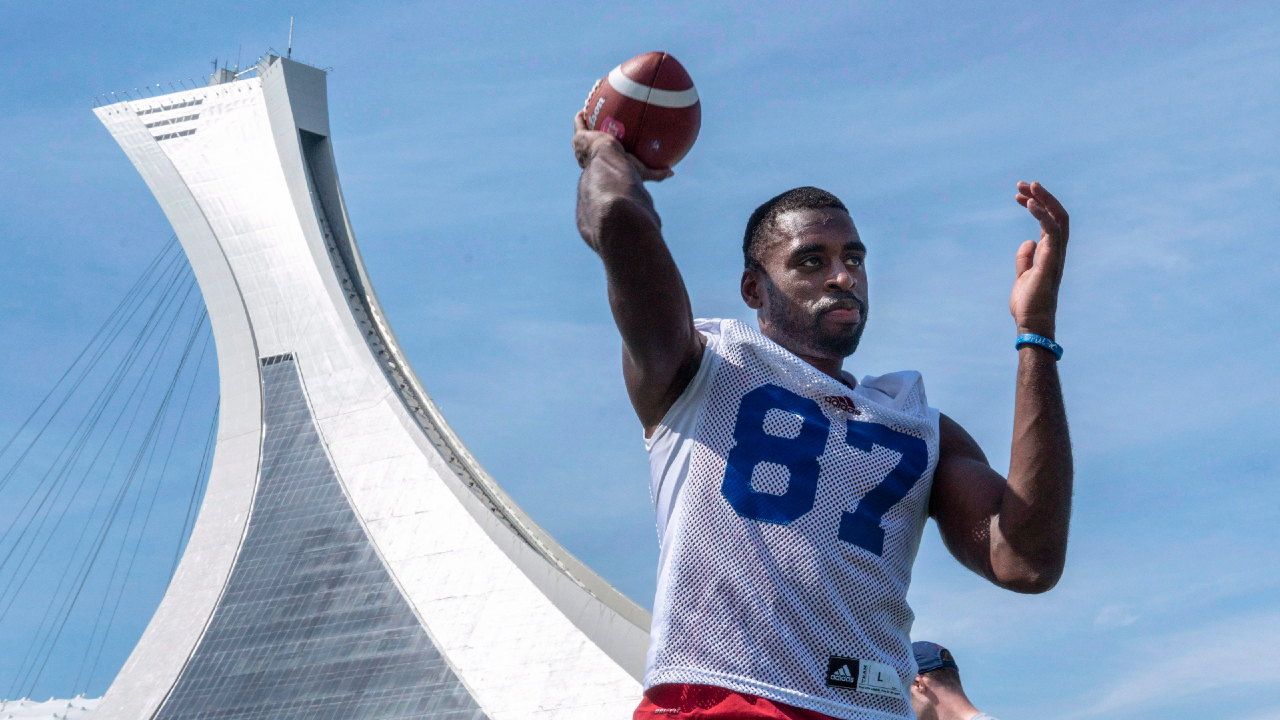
[800,452]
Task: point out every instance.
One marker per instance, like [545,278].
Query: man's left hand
[1034,301]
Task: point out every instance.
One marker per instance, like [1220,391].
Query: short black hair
[765,218]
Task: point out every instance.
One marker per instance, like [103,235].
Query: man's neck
[827,366]
[824,365]
[955,706]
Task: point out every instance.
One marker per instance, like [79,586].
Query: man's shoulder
[731,336]
[721,326]
[710,326]
[721,333]
[893,386]
[901,391]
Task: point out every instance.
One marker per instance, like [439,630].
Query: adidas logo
[842,672]
[843,403]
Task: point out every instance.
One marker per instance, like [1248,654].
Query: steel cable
[86,566]
[150,360]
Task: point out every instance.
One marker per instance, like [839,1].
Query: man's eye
[853,262]
[810,262]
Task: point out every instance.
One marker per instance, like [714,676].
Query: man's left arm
[1014,532]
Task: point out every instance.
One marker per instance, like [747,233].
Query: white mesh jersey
[789,508]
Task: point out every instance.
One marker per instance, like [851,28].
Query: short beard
[804,331]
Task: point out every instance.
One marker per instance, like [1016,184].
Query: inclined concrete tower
[351,558]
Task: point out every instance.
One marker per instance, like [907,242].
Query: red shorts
[706,702]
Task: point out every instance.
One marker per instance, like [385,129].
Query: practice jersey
[789,508]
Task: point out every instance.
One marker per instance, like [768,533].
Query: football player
[790,496]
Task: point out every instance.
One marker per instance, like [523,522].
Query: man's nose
[840,280]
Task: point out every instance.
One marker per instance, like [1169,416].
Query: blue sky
[1157,124]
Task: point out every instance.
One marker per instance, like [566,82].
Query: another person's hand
[588,143]
[1034,301]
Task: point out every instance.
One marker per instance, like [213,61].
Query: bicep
[653,395]
[967,493]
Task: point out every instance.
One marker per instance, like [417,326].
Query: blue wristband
[1044,342]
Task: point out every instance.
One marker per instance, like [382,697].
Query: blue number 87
[800,456]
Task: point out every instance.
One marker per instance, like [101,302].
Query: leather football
[649,104]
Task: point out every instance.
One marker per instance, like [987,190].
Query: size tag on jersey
[864,676]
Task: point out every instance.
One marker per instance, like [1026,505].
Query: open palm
[1034,300]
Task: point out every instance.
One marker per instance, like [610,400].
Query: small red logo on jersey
[844,404]
[613,127]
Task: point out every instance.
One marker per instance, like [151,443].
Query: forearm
[617,219]
[612,201]
[1013,531]
[1030,532]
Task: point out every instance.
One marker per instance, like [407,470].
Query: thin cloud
[1115,616]
[1169,670]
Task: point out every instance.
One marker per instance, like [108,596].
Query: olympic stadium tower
[351,559]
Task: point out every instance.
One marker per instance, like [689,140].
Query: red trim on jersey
[707,702]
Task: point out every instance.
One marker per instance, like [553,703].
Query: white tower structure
[351,558]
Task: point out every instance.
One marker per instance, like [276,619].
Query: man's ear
[752,291]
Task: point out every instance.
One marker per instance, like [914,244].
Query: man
[936,693]
[790,498]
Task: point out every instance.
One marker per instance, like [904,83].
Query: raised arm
[661,350]
[1014,532]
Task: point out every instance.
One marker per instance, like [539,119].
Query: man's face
[812,294]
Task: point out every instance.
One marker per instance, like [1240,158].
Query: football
[649,104]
